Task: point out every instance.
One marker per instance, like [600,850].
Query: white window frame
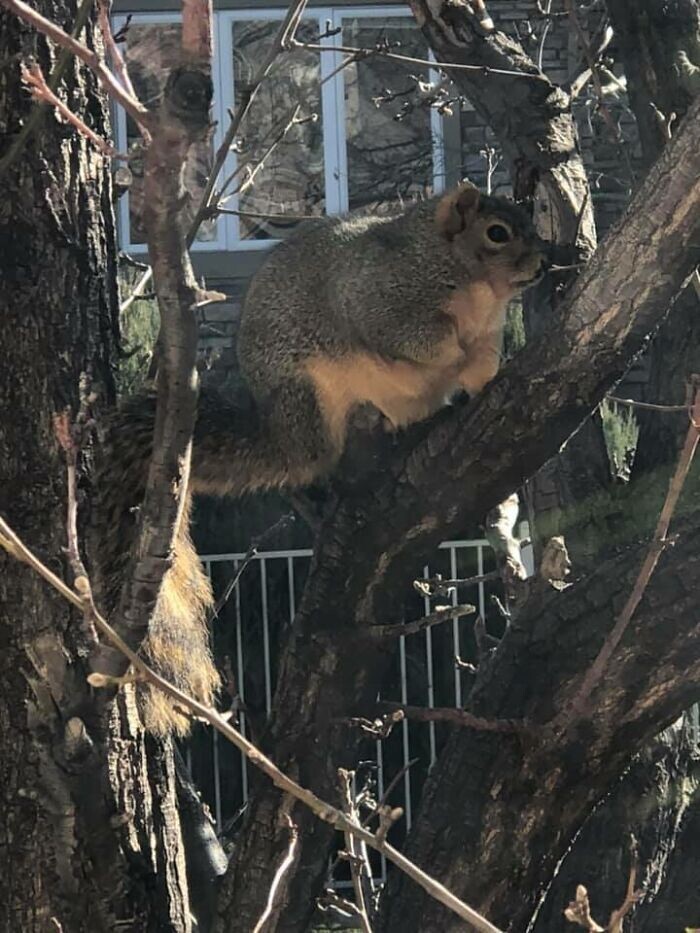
[219,243]
[332,106]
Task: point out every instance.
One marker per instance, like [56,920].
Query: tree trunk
[469,459]
[90,836]
[659,47]
[656,801]
[497,815]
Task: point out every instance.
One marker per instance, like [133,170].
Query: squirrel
[399,311]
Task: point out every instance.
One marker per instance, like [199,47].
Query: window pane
[389,142]
[291,180]
[152,50]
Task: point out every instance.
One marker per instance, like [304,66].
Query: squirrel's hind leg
[284,440]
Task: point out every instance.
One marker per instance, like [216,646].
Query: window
[357,137]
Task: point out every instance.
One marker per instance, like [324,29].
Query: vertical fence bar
[380,794]
[482,590]
[429,672]
[290,583]
[266,635]
[217,781]
[405,736]
[455,629]
[240,685]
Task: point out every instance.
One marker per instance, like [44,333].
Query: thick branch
[532,119]
[471,459]
[654,675]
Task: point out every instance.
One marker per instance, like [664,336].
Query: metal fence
[246,637]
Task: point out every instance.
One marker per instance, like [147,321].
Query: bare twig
[382,52]
[11,542]
[250,555]
[33,77]
[70,439]
[253,171]
[259,215]
[137,291]
[585,45]
[579,910]
[279,43]
[132,106]
[657,546]
[441,614]
[393,782]
[648,406]
[104,9]
[54,79]
[458,717]
[359,871]
[436,586]
[380,727]
[284,867]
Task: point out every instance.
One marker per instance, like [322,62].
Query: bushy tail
[177,644]
[237,448]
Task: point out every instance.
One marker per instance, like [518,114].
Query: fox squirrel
[399,311]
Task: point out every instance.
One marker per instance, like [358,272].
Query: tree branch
[657,546]
[324,811]
[442,475]
[30,16]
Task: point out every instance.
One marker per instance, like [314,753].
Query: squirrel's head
[493,238]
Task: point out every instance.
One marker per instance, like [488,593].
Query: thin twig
[441,614]
[104,9]
[249,180]
[436,586]
[657,546]
[359,54]
[259,215]
[33,77]
[108,81]
[632,895]
[54,79]
[284,867]
[137,291]
[649,406]
[585,45]
[70,438]
[458,717]
[11,542]
[291,18]
[358,868]
[250,555]
[392,784]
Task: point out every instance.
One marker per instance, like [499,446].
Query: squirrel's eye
[497,233]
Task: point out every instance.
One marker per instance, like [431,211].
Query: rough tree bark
[90,836]
[659,47]
[498,815]
[376,537]
[658,802]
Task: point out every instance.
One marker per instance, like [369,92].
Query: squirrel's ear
[456,208]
